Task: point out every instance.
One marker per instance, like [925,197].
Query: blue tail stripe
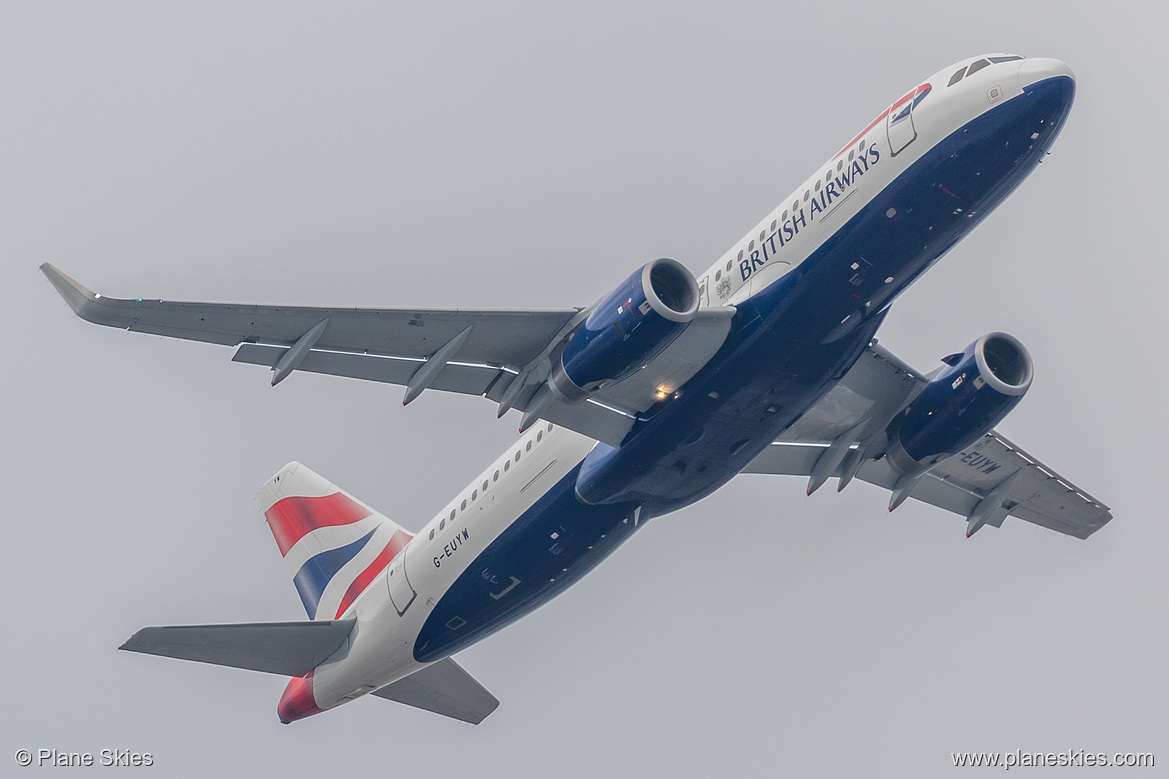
[316,573]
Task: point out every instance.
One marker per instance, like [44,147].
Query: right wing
[986,483]
[505,356]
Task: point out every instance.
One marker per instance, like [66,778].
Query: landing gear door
[401,592]
[899,126]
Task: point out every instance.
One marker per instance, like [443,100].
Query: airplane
[647,401]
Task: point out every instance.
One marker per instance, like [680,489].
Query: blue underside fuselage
[789,345]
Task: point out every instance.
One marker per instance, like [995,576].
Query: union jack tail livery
[333,544]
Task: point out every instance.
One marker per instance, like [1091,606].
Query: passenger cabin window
[954,79]
[977,66]
[718,274]
[452,517]
[475,495]
[442,524]
[432,534]
[774,224]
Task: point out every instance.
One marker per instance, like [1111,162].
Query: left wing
[985,483]
[505,356]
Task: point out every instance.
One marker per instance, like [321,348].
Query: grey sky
[507,155]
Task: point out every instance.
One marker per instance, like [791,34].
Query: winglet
[75,294]
[89,305]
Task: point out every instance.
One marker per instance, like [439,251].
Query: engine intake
[627,329]
[961,404]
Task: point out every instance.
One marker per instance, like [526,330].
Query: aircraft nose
[1036,69]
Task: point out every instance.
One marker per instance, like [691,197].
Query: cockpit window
[977,66]
[954,79]
[1011,58]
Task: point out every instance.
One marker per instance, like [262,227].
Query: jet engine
[961,404]
[627,329]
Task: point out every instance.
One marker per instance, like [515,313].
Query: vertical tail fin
[333,544]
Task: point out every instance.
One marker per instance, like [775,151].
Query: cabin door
[401,592]
[899,126]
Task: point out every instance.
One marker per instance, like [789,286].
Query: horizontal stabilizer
[285,648]
[444,688]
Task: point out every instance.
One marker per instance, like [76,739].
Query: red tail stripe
[397,542]
[291,519]
[298,700]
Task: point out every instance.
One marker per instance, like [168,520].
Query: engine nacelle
[627,329]
[961,404]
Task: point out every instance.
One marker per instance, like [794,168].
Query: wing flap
[443,688]
[785,458]
[463,378]
[591,419]
[285,648]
